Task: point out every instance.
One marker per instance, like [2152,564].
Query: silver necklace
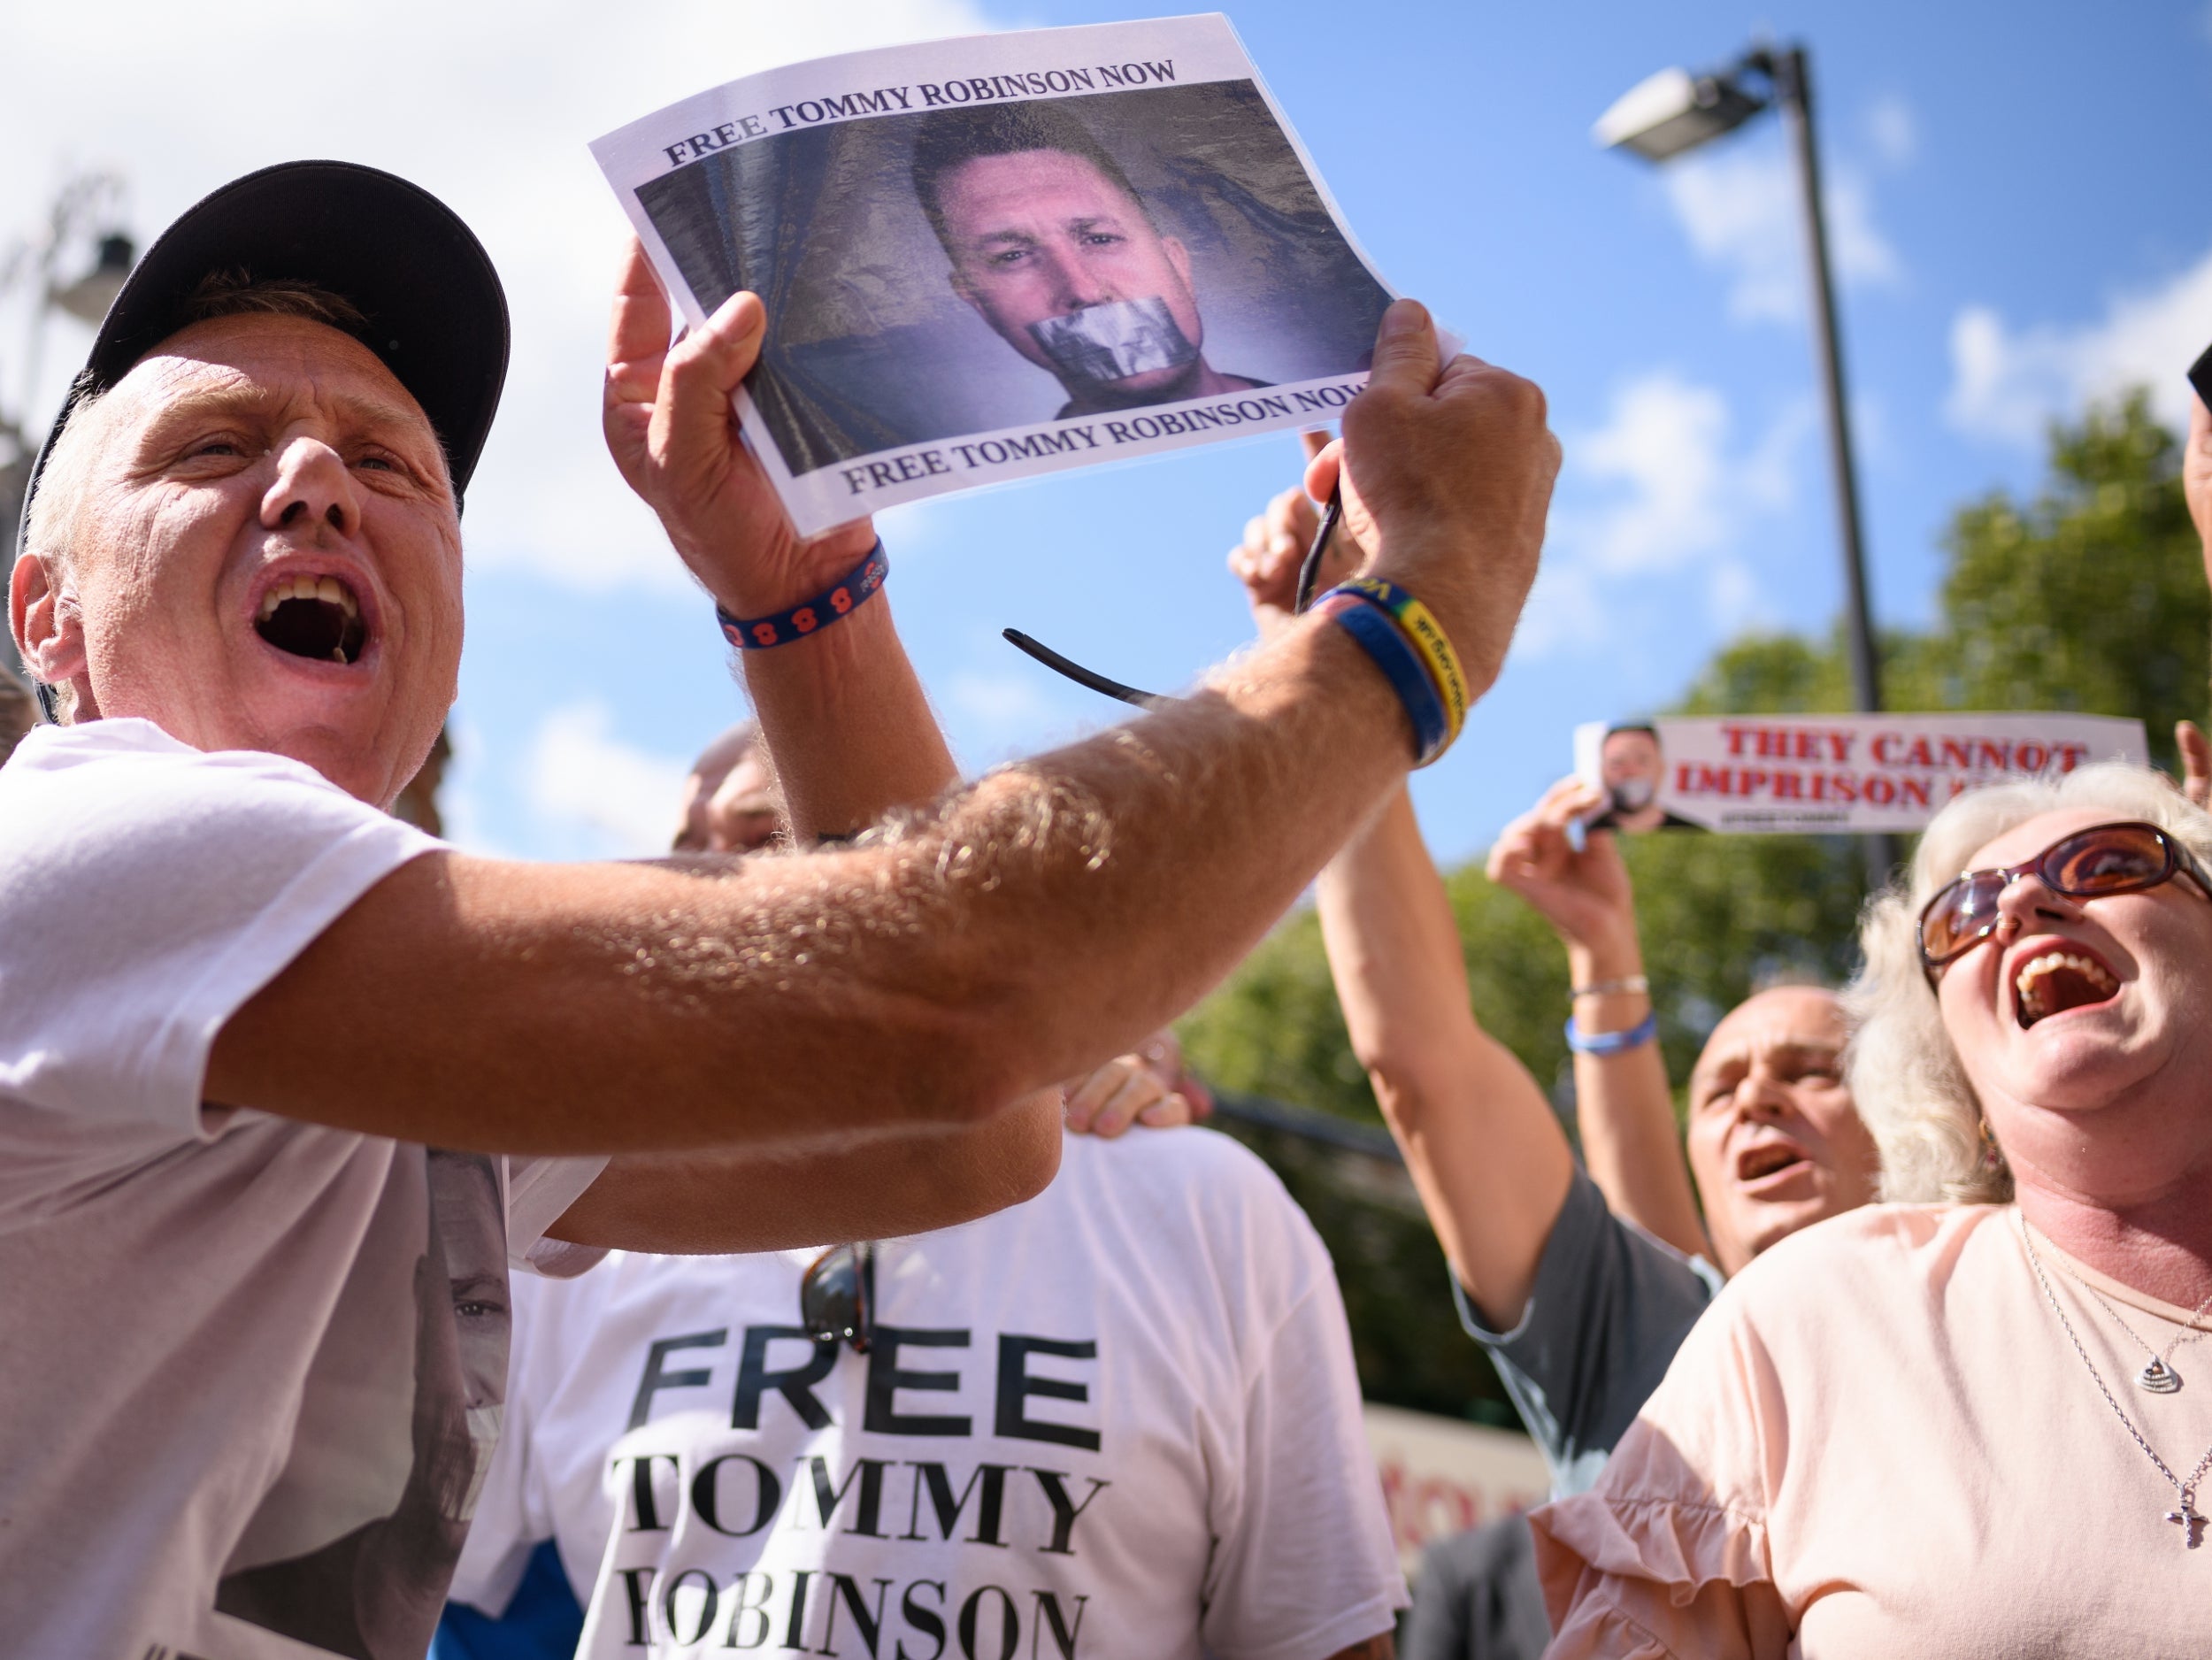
[2158,1374]
[2186,1517]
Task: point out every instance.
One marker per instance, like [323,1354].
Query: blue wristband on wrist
[840,599]
[1612,1043]
[1394,654]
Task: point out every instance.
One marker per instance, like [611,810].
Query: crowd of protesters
[866,1295]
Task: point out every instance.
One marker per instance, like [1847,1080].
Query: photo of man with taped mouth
[1057,251]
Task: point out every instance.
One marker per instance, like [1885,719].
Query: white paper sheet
[1126,250]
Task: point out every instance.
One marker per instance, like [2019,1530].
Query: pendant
[2191,1525]
[2158,1377]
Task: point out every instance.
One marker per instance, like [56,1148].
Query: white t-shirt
[250,1368]
[1118,1422]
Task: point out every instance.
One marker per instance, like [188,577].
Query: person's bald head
[730,801]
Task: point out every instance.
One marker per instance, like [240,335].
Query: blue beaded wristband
[1394,654]
[757,633]
[1612,1043]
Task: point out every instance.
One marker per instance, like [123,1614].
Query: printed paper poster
[1827,773]
[1005,255]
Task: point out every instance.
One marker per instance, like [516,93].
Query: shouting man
[250,1317]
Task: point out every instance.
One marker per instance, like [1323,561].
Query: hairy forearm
[1487,1156]
[1037,924]
[847,725]
[869,1186]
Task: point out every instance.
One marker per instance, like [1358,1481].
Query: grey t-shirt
[1610,1307]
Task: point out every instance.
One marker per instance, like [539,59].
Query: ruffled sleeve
[1668,1554]
[1651,1577]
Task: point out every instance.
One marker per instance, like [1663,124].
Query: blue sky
[2018,211]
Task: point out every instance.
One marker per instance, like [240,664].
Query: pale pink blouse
[1878,1442]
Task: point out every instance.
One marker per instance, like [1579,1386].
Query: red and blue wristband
[809,617]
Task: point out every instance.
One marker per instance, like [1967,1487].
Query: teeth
[326,588]
[2029,981]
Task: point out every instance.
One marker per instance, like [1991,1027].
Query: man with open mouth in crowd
[250,1319]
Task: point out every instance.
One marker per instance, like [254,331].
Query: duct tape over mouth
[1115,341]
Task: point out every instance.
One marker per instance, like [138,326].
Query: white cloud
[1662,490]
[489,105]
[998,705]
[1740,209]
[2005,383]
[581,774]
[1893,130]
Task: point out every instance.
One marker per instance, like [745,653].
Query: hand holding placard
[1447,477]
[1582,893]
[672,430]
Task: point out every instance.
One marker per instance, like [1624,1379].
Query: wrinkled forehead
[272,367]
[2021,843]
[1787,1016]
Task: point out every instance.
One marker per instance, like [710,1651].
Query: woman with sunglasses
[1979,1421]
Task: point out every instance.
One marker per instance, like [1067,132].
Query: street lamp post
[1674,112]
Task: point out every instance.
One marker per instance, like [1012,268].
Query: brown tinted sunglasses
[2092,864]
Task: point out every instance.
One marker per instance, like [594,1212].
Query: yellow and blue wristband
[840,599]
[1428,637]
[1379,635]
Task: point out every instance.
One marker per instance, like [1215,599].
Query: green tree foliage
[2090,596]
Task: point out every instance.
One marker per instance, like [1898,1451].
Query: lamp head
[88,297]
[1674,112]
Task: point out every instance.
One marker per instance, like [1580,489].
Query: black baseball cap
[436,313]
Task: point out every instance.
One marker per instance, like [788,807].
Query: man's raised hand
[1448,477]
[1267,561]
[673,431]
[1585,895]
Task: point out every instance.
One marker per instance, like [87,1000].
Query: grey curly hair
[1905,1075]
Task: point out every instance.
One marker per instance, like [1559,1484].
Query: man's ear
[48,627]
[1178,257]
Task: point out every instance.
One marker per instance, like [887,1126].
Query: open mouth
[2052,982]
[1758,1163]
[313,616]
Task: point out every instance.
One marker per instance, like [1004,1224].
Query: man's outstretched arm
[1036,923]
[1630,1140]
[1488,1157]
